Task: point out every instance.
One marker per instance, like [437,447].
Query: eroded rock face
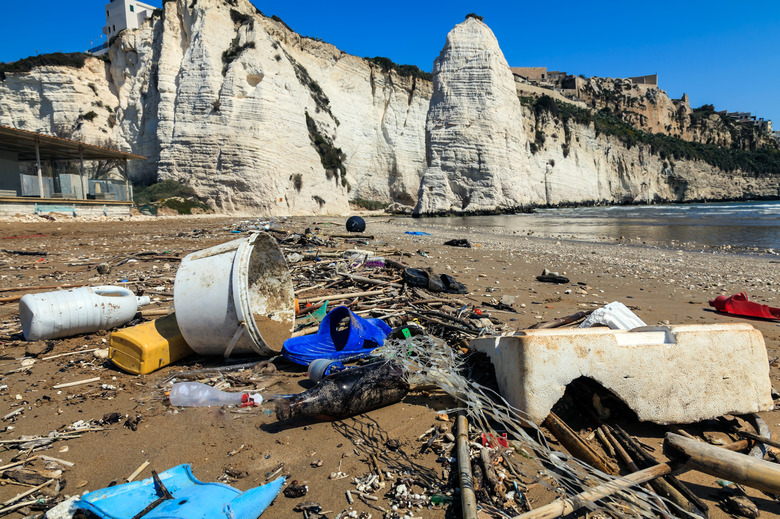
[487,153]
[253,116]
[476,144]
[240,101]
[60,101]
[232,102]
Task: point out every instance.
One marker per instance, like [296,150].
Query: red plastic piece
[245,402]
[739,305]
[488,440]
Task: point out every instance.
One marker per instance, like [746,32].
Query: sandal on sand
[452,286]
[359,339]
[551,277]
[433,282]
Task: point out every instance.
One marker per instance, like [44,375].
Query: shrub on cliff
[761,161]
[331,157]
[160,190]
[56,59]
[168,193]
[233,52]
[386,64]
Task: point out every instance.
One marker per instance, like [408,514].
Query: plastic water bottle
[51,315]
[197,394]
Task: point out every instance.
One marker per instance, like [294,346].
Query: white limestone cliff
[481,161]
[236,130]
[61,101]
[230,101]
[217,95]
[476,143]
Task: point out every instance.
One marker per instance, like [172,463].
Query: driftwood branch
[719,462]
[576,445]
[668,486]
[468,500]
[564,506]
[751,436]
[334,297]
[562,320]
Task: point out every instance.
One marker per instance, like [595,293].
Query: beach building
[120,15]
[41,173]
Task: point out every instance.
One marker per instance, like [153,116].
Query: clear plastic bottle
[196,394]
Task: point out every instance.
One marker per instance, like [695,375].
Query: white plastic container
[51,315]
[196,394]
[616,315]
[236,297]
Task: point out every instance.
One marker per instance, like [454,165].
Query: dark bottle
[349,392]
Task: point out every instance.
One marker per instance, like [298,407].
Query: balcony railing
[98,48]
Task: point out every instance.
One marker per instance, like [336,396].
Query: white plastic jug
[51,315]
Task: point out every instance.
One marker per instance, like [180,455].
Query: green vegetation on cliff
[760,162]
[386,64]
[168,193]
[331,157]
[56,59]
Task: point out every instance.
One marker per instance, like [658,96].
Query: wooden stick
[716,461]
[156,312]
[668,486]
[13,413]
[17,506]
[651,485]
[318,285]
[77,383]
[44,287]
[334,297]
[561,321]
[565,506]
[70,353]
[17,463]
[576,445]
[468,500]
[28,492]
[751,436]
[361,279]
[138,471]
[355,235]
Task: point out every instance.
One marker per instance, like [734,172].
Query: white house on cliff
[122,14]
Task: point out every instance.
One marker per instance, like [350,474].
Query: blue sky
[723,53]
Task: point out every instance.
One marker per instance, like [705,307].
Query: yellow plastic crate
[147,347]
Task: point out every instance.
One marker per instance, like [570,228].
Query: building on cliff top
[651,79]
[120,15]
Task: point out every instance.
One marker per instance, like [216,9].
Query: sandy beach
[661,285]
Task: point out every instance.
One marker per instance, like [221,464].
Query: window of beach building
[132,9]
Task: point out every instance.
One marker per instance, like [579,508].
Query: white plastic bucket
[236,297]
[51,315]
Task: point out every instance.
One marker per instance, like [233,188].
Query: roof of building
[22,142]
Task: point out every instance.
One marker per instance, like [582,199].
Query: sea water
[739,225]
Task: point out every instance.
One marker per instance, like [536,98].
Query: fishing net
[429,361]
